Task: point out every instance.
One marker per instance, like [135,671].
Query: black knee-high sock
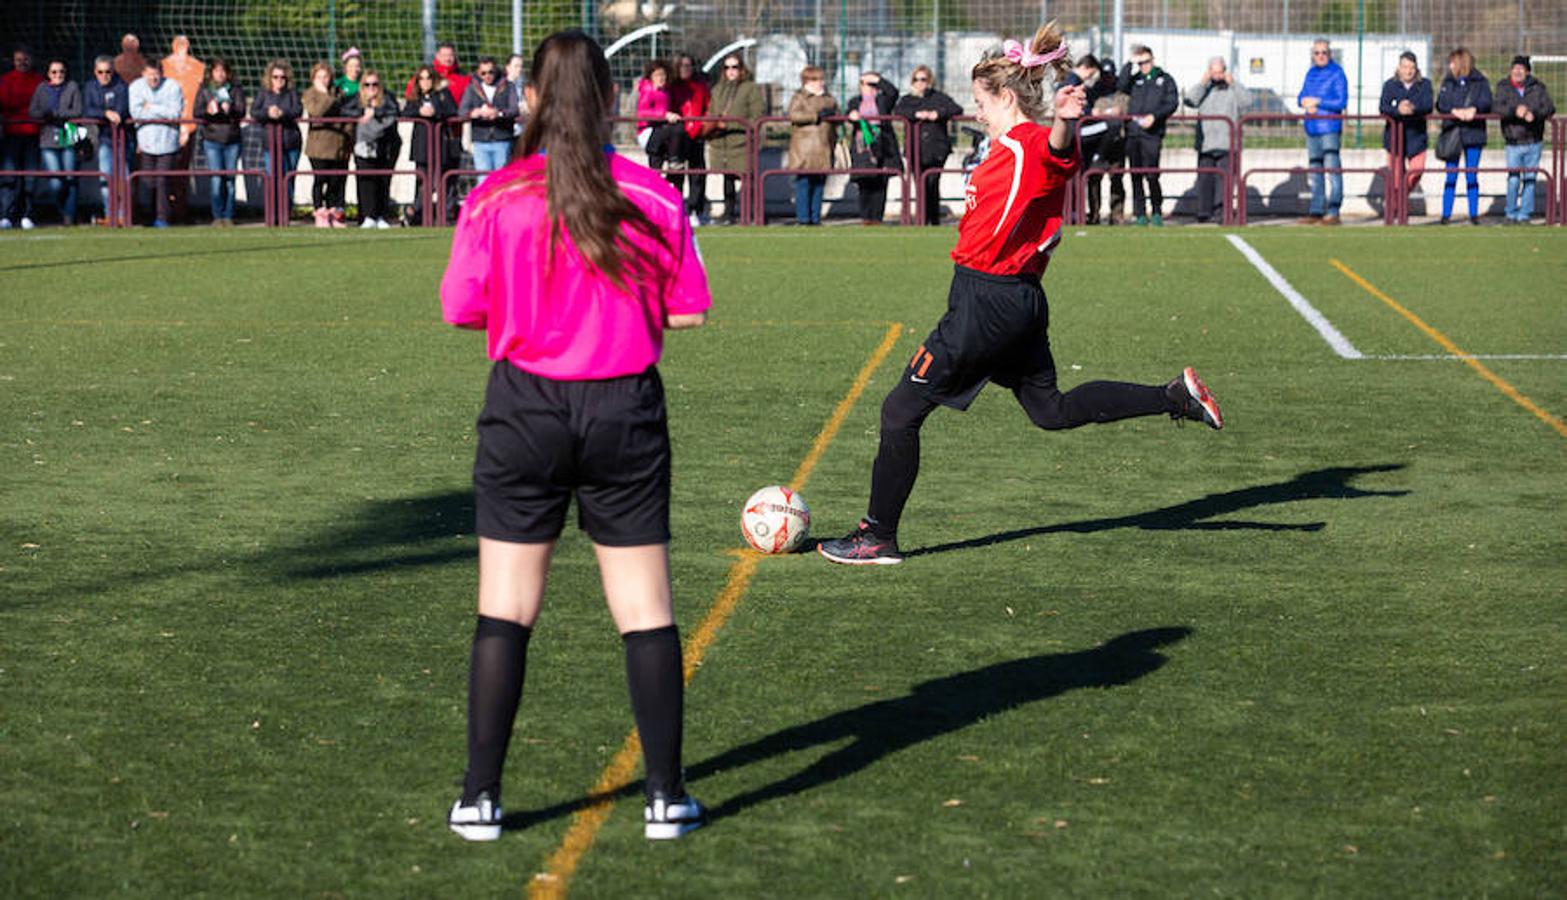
[495,671]
[657,687]
[1092,402]
[897,463]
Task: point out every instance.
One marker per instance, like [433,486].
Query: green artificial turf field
[1318,653]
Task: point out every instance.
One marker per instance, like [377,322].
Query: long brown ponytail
[571,81]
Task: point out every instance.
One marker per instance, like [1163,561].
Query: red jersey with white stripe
[1013,205]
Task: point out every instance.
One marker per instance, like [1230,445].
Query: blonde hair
[380,82]
[998,73]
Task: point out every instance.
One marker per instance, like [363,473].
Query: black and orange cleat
[861,548]
[1193,400]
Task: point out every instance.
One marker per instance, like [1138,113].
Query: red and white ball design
[775,520]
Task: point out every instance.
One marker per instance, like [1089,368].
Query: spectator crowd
[172,110]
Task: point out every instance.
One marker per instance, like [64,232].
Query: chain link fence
[1264,40]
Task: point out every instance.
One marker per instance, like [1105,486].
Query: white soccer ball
[775,520]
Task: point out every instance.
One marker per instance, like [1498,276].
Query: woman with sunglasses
[220,105]
[574,261]
[278,108]
[55,102]
[737,95]
[376,145]
[432,102]
[929,110]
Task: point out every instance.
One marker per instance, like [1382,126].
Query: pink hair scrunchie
[351,51]
[1027,58]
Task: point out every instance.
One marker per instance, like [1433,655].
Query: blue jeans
[63,189]
[808,198]
[1471,160]
[106,167]
[1322,153]
[490,155]
[222,156]
[1520,185]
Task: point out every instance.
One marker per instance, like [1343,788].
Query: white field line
[1333,336]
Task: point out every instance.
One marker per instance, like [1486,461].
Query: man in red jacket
[690,96]
[447,72]
[19,146]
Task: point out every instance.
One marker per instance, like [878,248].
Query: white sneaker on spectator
[5,224]
[367,223]
[382,223]
[27,224]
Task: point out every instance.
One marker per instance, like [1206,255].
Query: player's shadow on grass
[390,534]
[1198,515]
[932,709]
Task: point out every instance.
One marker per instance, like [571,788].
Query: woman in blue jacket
[1466,95]
[1406,99]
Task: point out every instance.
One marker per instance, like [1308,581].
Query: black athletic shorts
[542,441]
[996,329]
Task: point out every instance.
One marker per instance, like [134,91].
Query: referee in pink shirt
[573,260]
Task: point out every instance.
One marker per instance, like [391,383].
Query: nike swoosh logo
[918,380]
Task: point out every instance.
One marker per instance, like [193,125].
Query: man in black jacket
[1154,98]
[1101,140]
[1525,106]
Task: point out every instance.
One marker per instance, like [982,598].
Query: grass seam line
[1311,314]
[562,864]
[1468,359]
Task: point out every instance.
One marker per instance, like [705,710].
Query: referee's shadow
[932,709]
[1198,515]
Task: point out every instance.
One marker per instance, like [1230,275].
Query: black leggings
[328,190]
[904,411]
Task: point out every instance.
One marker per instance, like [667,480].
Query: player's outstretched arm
[1068,109]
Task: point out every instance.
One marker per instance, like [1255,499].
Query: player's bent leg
[1093,402]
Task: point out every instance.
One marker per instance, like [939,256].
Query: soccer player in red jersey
[996,327]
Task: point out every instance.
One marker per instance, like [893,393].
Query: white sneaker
[27,224]
[382,223]
[368,223]
[667,819]
[479,821]
[5,224]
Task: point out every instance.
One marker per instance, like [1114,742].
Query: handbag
[1450,144]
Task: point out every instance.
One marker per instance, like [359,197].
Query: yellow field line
[585,825]
[1512,393]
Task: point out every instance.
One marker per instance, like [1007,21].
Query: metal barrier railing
[1388,173]
[901,172]
[432,175]
[1551,177]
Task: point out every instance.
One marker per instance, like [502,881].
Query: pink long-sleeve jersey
[562,318]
